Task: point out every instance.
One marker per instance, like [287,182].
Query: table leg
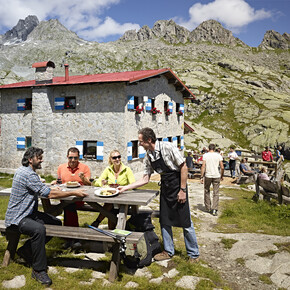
[115,262]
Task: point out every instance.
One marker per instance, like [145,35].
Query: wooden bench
[13,236]
[273,189]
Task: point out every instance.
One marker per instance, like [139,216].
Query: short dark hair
[147,134]
[30,153]
[74,150]
[211,147]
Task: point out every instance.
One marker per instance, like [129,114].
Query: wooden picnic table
[133,198]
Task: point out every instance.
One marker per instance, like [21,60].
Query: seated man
[22,212]
[73,170]
[245,169]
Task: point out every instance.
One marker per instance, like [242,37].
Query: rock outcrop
[212,31]
[273,39]
[21,31]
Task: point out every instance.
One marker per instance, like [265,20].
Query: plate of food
[106,192]
[70,184]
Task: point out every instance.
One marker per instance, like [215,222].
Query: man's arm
[202,171]
[222,170]
[144,180]
[181,196]
[58,193]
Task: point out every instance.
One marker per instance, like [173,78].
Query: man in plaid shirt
[22,212]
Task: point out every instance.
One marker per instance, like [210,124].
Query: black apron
[172,212]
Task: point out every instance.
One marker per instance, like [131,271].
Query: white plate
[72,186]
[99,191]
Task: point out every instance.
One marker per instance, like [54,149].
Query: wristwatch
[183,189]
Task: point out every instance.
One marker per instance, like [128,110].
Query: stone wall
[101,114]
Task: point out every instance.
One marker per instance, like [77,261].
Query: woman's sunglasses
[116,157]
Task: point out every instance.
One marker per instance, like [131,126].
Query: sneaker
[41,277]
[25,254]
[214,212]
[193,260]
[162,256]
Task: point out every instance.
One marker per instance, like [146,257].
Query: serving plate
[98,192]
[72,185]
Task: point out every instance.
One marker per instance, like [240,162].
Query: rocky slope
[242,92]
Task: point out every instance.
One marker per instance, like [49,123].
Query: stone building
[96,113]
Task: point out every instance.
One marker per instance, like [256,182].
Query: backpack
[141,254]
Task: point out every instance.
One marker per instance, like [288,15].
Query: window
[178,141]
[28,142]
[166,107]
[134,149]
[153,103]
[169,139]
[69,103]
[90,149]
[24,104]
[136,102]
[177,107]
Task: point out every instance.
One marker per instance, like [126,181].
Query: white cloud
[107,28]
[84,17]
[234,14]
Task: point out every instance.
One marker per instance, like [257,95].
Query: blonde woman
[263,174]
[114,175]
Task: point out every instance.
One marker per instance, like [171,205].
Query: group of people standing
[161,157]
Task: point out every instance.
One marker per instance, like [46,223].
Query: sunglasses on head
[73,157]
[116,157]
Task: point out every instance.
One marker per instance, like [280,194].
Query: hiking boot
[214,212]
[193,260]
[41,277]
[162,256]
[25,254]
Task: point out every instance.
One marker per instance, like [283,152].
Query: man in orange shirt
[73,170]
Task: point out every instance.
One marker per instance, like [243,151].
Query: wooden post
[279,192]
[12,237]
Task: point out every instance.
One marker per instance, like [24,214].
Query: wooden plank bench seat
[272,189]
[62,232]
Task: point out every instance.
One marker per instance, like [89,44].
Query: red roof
[128,76]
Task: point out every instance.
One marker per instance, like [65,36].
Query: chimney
[66,78]
[43,72]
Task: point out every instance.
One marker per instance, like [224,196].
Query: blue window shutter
[141,152]
[20,142]
[129,151]
[174,141]
[100,150]
[149,105]
[170,107]
[130,102]
[80,146]
[21,105]
[181,108]
[239,153]
[59,103]
[165,139]
[181,142]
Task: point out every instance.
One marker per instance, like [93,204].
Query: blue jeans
[189,240]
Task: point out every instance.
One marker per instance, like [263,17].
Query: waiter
[165,159]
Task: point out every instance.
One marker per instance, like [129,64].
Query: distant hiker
[233,156]
[210,174]
[267,155]
[278,154]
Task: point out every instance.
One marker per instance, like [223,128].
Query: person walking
[210,175]
[165,159]
[22,212]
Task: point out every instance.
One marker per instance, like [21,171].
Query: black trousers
[33,226]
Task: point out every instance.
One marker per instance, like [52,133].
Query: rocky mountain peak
[21,31]
[53,30]
[212,31]
[166,29]
[273,39]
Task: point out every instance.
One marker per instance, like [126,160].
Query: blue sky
[107,20]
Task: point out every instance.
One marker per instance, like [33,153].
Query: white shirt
[233,155]
[212,161]
[170,154]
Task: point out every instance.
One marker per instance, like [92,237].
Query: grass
[241,214]
[228,243]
